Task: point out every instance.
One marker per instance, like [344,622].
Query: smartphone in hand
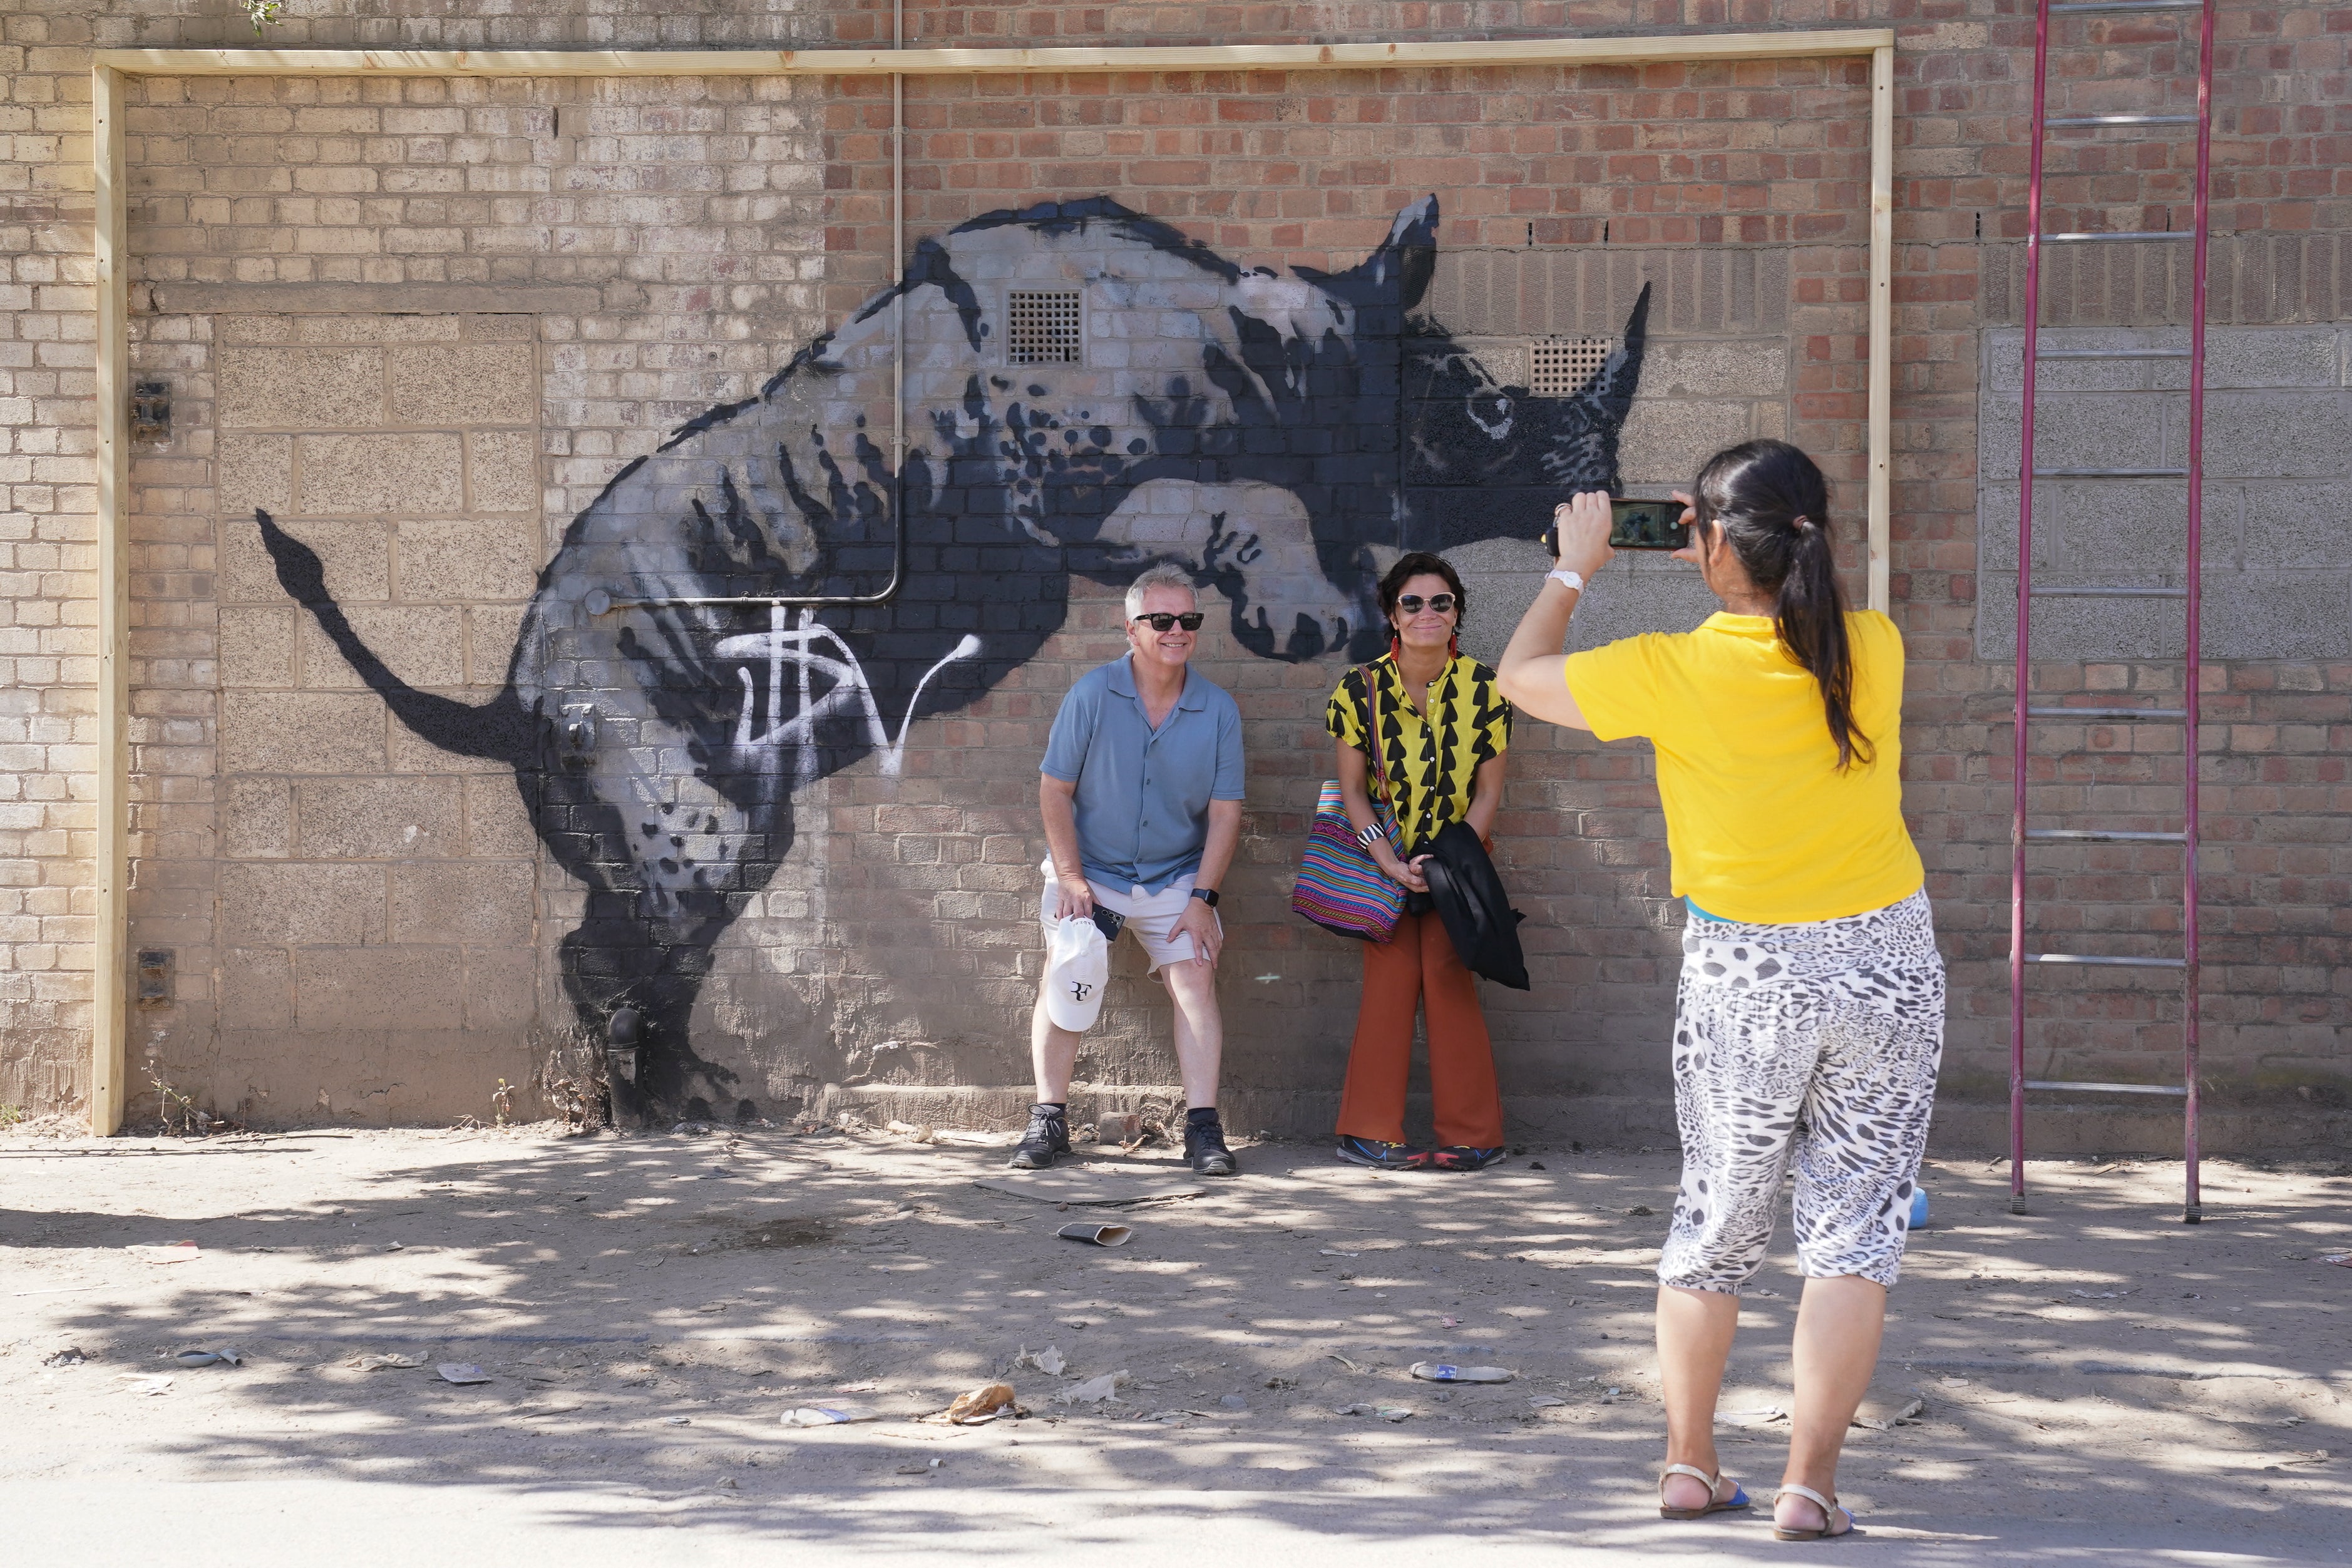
[1636,524]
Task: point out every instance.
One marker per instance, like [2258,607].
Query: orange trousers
[1419,965]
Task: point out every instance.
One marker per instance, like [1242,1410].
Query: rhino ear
[1612,386]
[1397,274]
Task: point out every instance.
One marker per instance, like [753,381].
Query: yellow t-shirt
[1761,824]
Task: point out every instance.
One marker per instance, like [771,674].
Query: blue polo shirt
[1143,794]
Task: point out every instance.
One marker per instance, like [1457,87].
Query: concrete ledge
[367,298]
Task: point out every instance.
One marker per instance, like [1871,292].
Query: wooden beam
[1881,491]
[999,62]
[109,975]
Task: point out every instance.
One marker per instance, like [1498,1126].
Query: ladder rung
[2128,234]
[2096,836]
[2111,473]
[2107,713]
[2079,120]
[2110,592]
[2108,1088]
[2111,354]
[2082,6]
[2107,963]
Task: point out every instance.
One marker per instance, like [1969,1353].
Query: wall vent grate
[1043,329]
[1559,367]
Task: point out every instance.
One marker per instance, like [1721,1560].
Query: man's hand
[1075,897]
[1199,923]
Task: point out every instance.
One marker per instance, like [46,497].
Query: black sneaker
[1048,1135]
[1456,1157]
[1382,1157]
[1205,1151]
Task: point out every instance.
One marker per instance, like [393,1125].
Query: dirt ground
[2099,1382]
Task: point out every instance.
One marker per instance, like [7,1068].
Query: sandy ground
[2100,1383]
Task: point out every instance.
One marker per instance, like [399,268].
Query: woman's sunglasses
[1411,603]
[1162,621]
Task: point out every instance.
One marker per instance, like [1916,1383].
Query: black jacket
[1471,900]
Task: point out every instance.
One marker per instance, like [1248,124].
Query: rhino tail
[498,729]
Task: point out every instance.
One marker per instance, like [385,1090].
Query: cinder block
[1664,442]
[395,989]
[502,988]
[497,822]
[254,471]
[302,732]
[2303,614]
[256,647]
[401,474]
[257,818]
[2278,435]
[379,818]
[357,556]
[453,562]
[300,389]
[2079,429]
[488,903]
[299,902]
[421,644]
[503,471]
[463,383]
[256,989]
[1681,369]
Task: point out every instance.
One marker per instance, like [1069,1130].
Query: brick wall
[683,237]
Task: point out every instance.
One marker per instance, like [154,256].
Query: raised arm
[1533,672]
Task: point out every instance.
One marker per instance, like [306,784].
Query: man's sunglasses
[1411,603]
[1162,621]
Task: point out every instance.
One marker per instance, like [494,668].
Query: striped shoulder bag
[1339,888]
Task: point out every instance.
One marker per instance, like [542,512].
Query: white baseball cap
[1078,967]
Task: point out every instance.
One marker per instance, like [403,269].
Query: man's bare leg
[1200,1031]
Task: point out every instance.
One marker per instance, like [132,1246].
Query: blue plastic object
[1918,1208]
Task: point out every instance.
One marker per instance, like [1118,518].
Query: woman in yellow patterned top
[1442,732]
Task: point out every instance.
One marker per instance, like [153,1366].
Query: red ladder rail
[2192,592]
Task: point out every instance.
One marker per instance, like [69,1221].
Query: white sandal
[1830,1508]
[1738,1498]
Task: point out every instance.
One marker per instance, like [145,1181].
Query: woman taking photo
[1442,732]
[1810,1017]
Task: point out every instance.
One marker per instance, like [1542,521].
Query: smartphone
[1636,524]
[1108,922]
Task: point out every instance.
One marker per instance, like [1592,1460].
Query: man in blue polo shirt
[1141,793]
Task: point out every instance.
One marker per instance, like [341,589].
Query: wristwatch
[1567,579]
[1207,896]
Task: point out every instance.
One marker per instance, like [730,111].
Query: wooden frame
[110,67]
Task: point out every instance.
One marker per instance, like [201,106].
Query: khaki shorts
[1150,916]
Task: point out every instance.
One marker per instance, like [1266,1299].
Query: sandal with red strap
[1737,1500]
[1831,1508]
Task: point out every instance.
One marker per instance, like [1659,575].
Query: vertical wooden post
[108,975]
[1882,321]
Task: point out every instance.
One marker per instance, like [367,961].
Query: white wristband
[1567,577]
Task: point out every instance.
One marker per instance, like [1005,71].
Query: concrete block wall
[674,240]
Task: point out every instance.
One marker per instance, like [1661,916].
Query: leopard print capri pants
[1820,1040]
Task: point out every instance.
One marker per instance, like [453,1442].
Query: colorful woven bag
[1339,886]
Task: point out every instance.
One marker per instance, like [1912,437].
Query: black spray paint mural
[1089,391]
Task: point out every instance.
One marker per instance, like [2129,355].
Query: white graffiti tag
[783,644]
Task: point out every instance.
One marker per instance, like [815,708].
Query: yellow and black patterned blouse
[1431,764]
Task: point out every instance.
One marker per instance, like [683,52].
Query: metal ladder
[2022,837]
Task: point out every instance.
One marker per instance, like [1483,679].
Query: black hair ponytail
[1773,506]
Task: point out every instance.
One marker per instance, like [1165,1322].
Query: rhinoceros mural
[1089,391]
